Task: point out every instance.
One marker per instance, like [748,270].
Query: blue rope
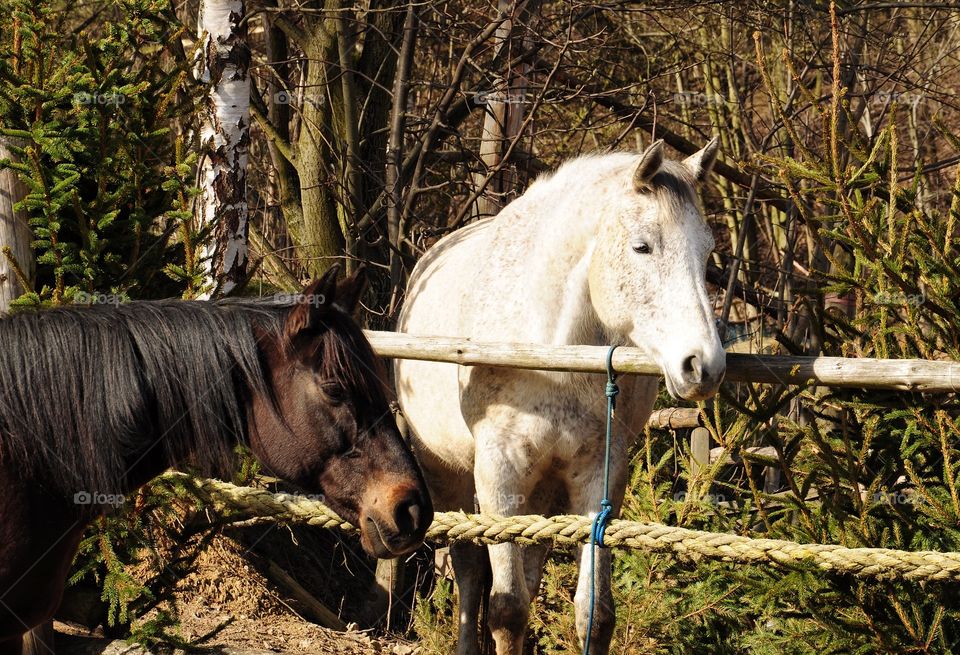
[601,520]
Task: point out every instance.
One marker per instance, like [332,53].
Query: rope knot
[601,521]
[612,388]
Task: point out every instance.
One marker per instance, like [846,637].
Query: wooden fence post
[699,450]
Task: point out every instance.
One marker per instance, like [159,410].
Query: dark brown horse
[95,401]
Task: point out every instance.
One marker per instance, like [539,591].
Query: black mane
[85,391]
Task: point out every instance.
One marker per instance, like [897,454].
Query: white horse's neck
[559,292]
[576,322]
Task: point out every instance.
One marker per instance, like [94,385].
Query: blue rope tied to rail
[606,507]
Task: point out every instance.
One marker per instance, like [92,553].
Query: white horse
[610,249]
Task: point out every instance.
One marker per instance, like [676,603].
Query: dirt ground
[231,606]
[232,600]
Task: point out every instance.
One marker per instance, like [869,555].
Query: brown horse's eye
[334,392]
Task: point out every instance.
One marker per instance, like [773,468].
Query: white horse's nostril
[692,369]
[712,372]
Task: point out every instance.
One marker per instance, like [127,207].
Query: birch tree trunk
[14,234]
[223,64]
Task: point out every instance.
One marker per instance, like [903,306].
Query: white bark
[225,137]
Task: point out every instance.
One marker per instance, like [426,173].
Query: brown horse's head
[329,427]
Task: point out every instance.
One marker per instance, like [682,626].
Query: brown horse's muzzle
[394,518]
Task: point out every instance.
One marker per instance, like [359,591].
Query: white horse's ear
[650,162]
[702,161]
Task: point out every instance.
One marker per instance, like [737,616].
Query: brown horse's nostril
[408,514]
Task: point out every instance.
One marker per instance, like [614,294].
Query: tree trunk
[223,64]
[504,111]
[14,234]
[321,242]
[394,153]
[321,237]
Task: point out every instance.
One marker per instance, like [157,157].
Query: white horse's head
[647,272]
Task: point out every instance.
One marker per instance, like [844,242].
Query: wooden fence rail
[861,373]
[675,418]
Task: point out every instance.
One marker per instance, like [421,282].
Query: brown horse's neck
[142,467]
[145,468]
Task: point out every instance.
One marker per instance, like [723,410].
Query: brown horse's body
[297,382]
[39,536]
[33,561]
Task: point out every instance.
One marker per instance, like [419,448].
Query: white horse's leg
[585,498]
[502,477]
[517,571]
[604,612]
[534,557]
[509,599]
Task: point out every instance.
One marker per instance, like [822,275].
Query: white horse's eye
[642,248]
